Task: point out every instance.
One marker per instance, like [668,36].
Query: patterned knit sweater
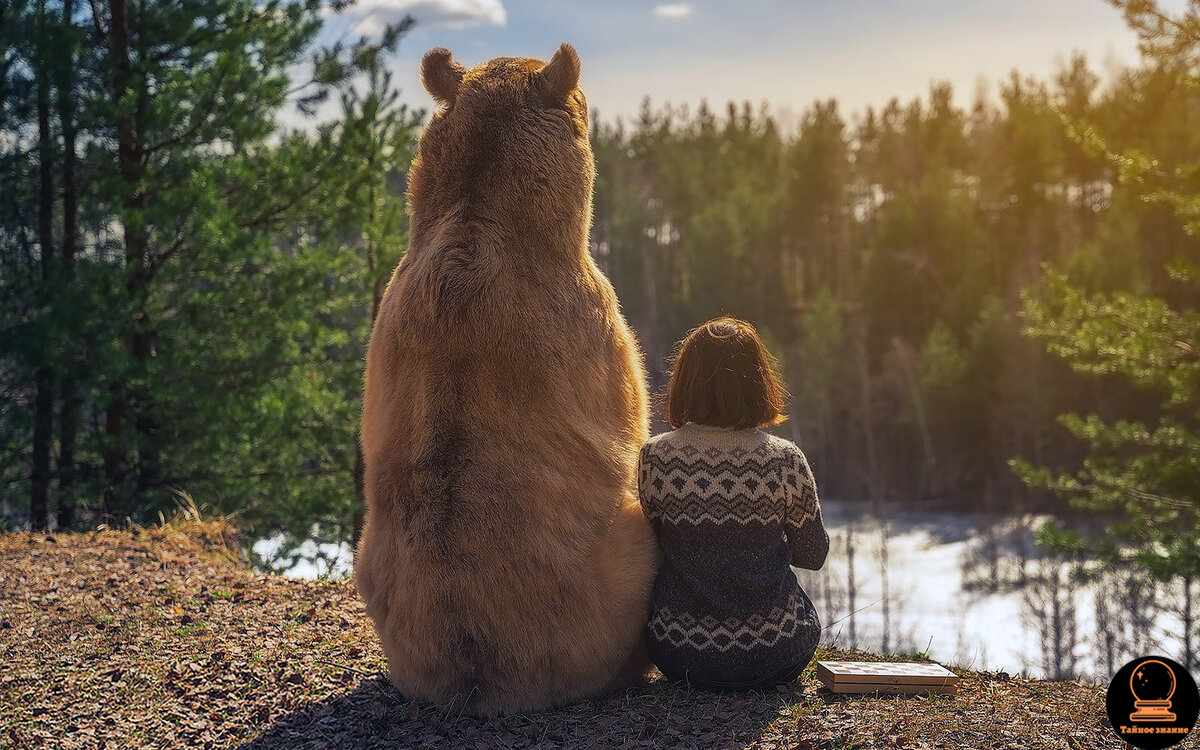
[733,509]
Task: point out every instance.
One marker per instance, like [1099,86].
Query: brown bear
[505,561]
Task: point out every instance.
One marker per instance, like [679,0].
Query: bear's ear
[441,75]
[560,76]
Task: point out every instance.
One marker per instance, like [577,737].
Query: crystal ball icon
[1152,703]
[1152,681]
[1152,684]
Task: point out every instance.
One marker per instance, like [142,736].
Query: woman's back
[727,607]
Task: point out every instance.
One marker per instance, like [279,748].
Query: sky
[785,52]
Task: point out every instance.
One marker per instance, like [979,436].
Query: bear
[505,561]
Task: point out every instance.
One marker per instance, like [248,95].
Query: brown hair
[724,376]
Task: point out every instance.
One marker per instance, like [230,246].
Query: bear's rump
[517,608]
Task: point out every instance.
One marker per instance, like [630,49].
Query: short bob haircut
[724,376]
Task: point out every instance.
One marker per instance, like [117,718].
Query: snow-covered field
[942,598]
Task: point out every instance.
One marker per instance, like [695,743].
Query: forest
[981,301]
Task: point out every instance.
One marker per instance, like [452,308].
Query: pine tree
[1142,475]
[184,292]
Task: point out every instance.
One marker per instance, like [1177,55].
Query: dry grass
[164,638]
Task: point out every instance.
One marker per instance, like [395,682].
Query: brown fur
[505,560]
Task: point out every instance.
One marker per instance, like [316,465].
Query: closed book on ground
[886,677]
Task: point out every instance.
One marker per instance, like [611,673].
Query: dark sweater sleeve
[806,535]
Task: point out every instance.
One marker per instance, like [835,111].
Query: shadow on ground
[375,715]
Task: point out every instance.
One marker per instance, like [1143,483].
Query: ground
[165,638]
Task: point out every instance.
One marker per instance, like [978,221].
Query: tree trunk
[114,453]
[1189,624]
[149,469]
[68,428]
[43,425]
[851,582]
[43,419]
[653,332]
[69,417]
[131,164]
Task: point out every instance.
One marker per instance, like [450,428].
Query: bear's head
[508,145]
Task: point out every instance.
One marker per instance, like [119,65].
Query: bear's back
[509,395]
[503,557]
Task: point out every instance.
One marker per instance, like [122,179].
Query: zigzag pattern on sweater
[684,629]
[693,485]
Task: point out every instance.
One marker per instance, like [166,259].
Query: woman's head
[724,376]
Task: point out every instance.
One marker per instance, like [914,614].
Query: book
[886,677]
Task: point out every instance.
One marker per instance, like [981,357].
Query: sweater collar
[714,428]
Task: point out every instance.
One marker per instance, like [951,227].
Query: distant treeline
[885,257]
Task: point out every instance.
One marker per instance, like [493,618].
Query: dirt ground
[165,638]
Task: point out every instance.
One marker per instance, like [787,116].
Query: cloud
[369,16]
[673,11]
[368,26]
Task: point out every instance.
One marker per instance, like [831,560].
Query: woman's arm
[806,535]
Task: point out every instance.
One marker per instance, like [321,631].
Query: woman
[734,507]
